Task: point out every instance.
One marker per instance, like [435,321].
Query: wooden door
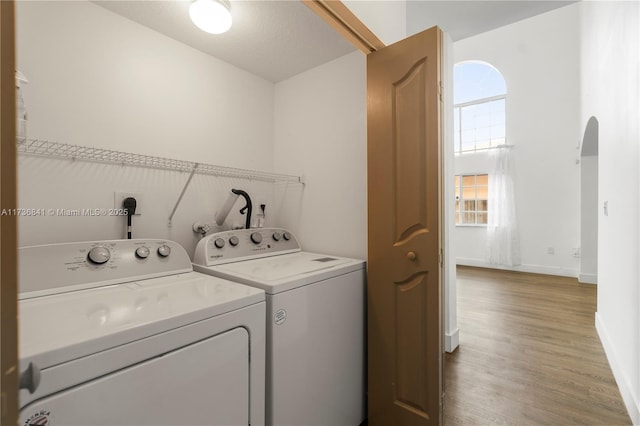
[8,220]
[404,211]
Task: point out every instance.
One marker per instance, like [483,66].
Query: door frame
[346,23]
[8,222]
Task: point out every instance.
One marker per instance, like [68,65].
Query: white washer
[125,333]
[315,323]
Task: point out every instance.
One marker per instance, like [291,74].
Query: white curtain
[502,227]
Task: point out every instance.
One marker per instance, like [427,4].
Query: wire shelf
[77,152]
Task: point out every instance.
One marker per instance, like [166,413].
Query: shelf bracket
[186,185]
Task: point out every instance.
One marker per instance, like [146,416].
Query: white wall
[320,123]
[589,203]
[98,79]
[610,93]
[538,58]
[589,219]
[385,18]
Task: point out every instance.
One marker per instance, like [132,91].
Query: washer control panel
[56,268]
[244,244]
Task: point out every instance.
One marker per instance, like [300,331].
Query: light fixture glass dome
[212,16]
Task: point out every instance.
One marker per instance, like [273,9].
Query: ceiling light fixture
[212,16]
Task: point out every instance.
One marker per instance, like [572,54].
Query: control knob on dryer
[99,255]
[276,236]
[142,252]
[234,241]
[219,243]
[286,236]
[164,250]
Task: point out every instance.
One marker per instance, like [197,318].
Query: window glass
[479,107]
[469,180]
[476,80]
[472,193]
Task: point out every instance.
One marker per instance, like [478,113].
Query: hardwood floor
[529,354]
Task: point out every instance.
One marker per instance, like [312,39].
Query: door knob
[411,255]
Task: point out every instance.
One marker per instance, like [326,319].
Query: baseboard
[588,278]
[451,341]
[631,401]
[533,269]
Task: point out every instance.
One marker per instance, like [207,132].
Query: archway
[589,204]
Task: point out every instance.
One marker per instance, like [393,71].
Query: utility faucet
[247,208]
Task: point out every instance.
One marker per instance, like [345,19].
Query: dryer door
[206,383]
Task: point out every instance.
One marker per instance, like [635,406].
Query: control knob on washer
[234,241]
[219,242]
[99,255]
[143,252]
[276,236]
[286,236]
[164,250]
[256,238]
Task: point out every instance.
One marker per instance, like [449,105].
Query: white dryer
[315,323]
[125,333]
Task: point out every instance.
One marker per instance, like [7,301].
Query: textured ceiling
[272,39]
[462,19]
[277,39]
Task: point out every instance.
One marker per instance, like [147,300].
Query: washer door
[206,383]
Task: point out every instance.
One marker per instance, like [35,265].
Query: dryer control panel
[57,268]
[244,244]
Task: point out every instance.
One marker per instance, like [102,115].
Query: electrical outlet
[119,197]
[575,252]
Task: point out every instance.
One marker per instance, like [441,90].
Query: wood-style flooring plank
[529,354]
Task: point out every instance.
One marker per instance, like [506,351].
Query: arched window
[479,95]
